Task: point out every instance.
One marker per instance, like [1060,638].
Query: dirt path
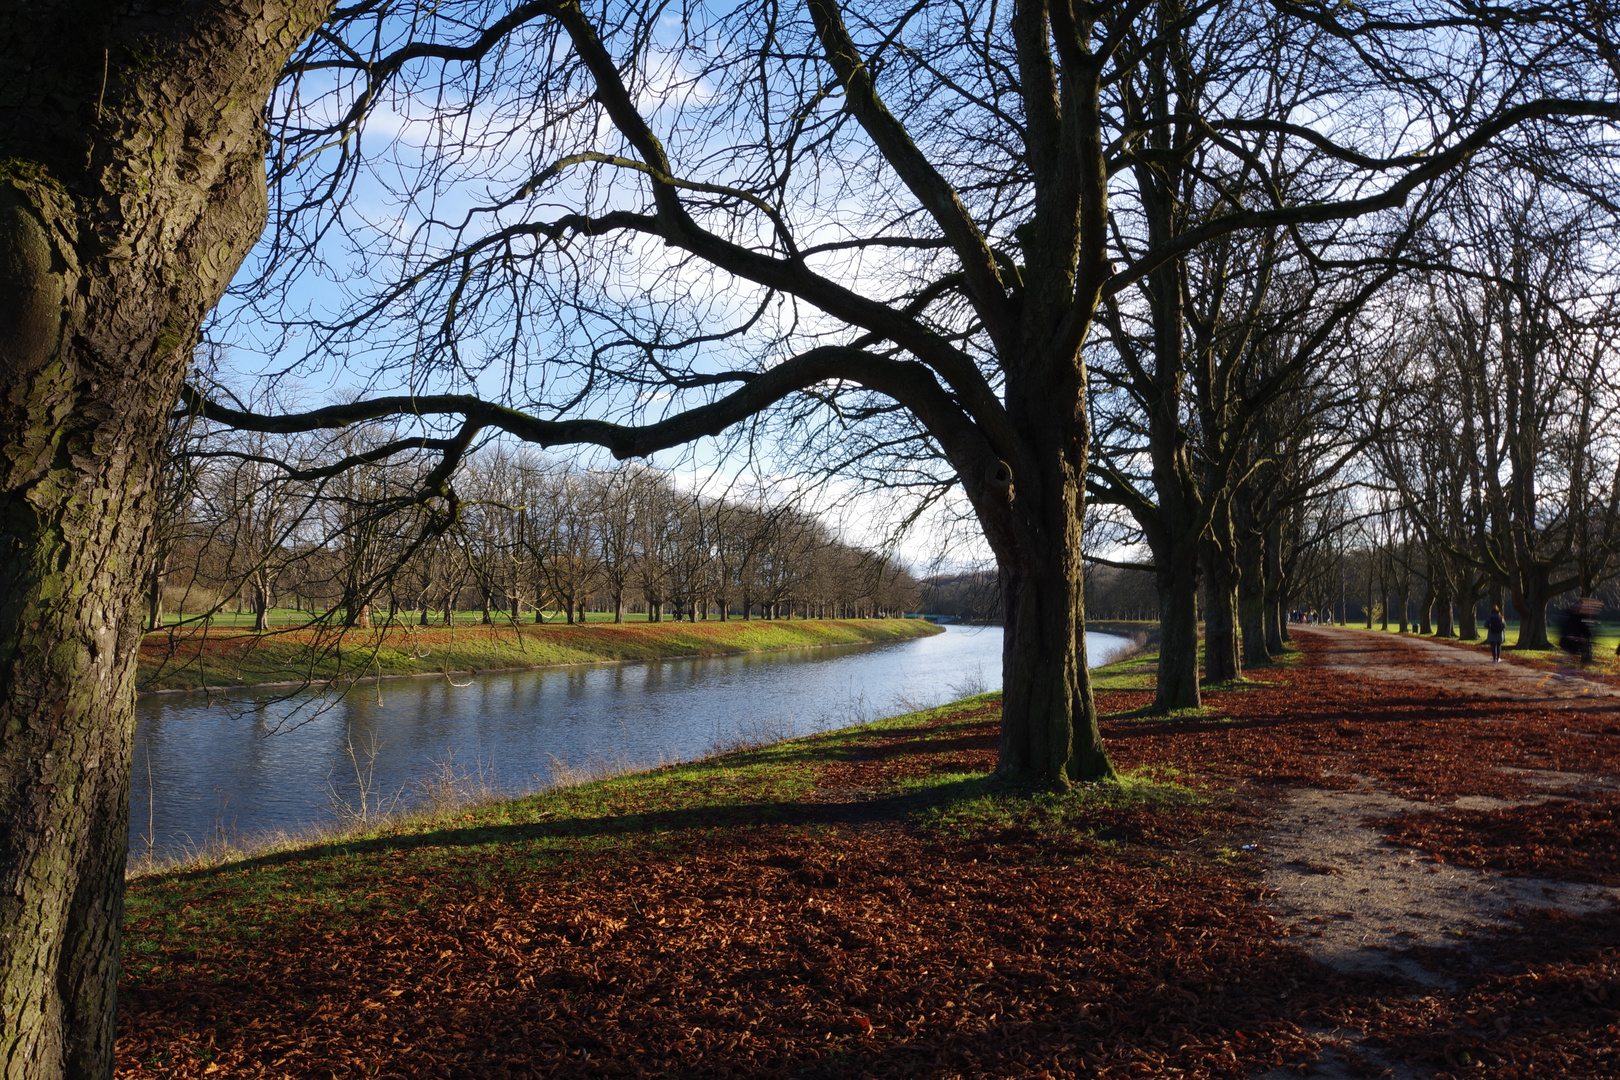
[1388,658]
[1363,905]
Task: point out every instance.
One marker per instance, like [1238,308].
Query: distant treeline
[248,524]
[1111,593]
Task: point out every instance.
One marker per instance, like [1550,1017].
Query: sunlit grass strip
[224,659]
[974,803]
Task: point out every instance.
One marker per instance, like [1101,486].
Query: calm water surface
[210,770]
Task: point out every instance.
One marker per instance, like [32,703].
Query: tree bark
[1177,576]
[1530,593]
[1220,601]
[1251,590]
[131,187]
[1276,623]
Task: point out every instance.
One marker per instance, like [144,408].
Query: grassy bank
[191,660]
[872,902]
[736,916]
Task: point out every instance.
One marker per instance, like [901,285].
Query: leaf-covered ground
[868,903]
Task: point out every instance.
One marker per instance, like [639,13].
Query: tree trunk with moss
[131,187]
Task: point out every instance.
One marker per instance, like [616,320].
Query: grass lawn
[194,658]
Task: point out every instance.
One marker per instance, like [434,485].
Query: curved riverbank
[210,659]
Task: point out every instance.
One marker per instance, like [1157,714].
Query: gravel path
[1361,905]
[1389,658]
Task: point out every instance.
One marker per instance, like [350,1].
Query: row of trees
[1137,252]
[1496,470]
[250,520]
[1444,409]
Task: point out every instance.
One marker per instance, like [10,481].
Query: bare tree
[917,198]
[565,536]
[827,144]
[1511,474]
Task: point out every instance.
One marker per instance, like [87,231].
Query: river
[209,772]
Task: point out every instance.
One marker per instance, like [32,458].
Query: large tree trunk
[154,594]
[131,187]
[1468,607]
[261,607]
[1444,596]
[1530,594]
[1049,725]
[1276,622]
[1177,577]
[1220,602]
[1251,588]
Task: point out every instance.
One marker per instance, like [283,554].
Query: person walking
[1589,609]
[1495,627]
[1577,636]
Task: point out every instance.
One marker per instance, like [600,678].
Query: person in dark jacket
[1495,628]
[1589,609]
[1577,635]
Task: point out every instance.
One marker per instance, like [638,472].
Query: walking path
[1388,658]
[1364,905]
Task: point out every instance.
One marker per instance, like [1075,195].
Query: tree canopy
[903,230]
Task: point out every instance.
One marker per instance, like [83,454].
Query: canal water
[214,771]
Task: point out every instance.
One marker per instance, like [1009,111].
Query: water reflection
[209,770]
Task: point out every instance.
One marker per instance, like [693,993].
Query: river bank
[213,659]
[872,901]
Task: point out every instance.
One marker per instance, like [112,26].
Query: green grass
[196,659]
[967,804]
[1139,672]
